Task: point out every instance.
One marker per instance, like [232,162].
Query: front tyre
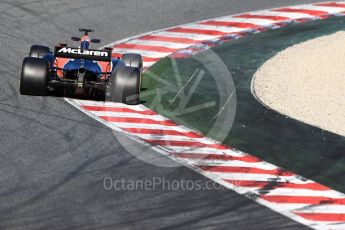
[124,85]
[34,75]
[133,60]
[38,51]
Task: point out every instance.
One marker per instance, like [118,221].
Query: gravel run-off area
[307,82]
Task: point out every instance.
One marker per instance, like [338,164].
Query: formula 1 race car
[90,71]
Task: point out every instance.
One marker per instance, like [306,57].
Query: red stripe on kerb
[197,31]
[231,169]
[163,132]
[268,17]
[216,157]
[168,39]
[185,144]
[323,216]
[303,11]
[145,47]
[273,184]
[230,24]
[331,4]
[119,110]
[137,120]
[304,199]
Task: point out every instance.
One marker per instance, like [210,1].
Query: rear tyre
[124,85]
[38,51]
[34,75]
[133,60]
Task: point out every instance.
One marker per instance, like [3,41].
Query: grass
[195,92]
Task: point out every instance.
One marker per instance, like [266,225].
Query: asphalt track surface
[53,158]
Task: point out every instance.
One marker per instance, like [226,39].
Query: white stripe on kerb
[172,45]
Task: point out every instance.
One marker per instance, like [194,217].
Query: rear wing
[77,53]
